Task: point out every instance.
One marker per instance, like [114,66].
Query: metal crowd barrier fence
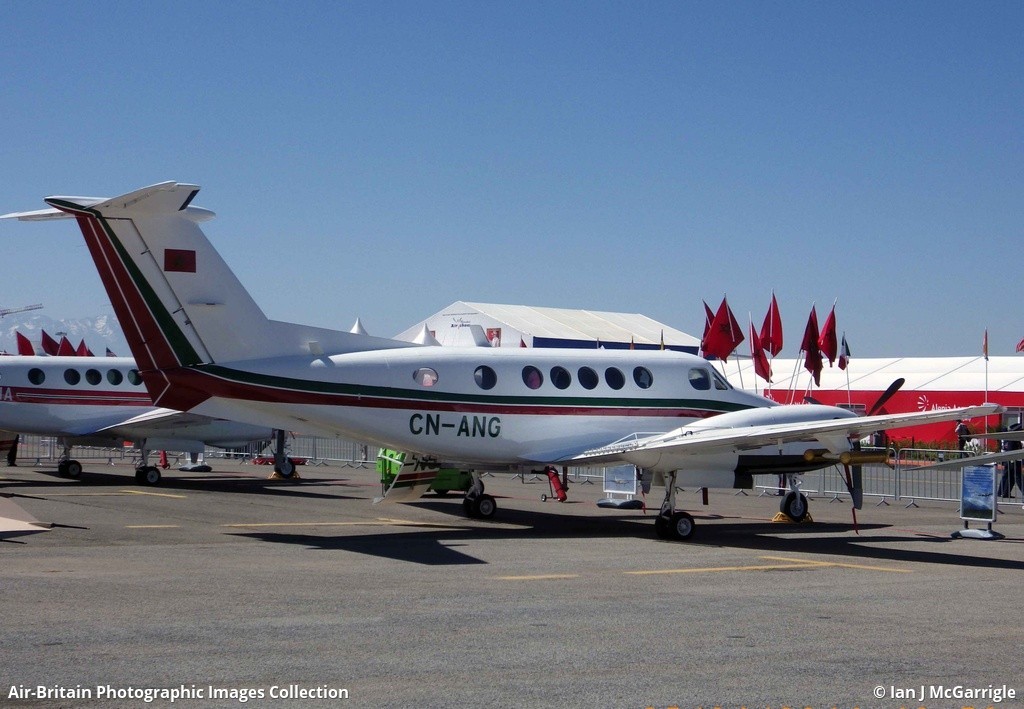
[906,483]
[914,484]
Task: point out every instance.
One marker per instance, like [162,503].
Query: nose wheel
[794,506]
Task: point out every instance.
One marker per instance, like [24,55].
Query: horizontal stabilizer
[414,479]
[14,521]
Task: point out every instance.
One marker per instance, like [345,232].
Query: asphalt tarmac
[226,589]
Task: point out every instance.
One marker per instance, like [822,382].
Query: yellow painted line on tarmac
[299,524]
[788,564]
[381,522]
[538,577]
[865,567]
[152,526]
[154,494]
[86,494]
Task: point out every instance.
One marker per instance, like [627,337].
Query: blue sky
[383,159]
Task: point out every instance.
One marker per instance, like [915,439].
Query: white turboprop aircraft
[202,344]
[100,401]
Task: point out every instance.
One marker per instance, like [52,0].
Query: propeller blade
[886,395]
[856,494]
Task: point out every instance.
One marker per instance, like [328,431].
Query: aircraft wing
[163,419]
[830,433]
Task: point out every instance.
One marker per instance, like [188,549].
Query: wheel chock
[783,518]
[277,476]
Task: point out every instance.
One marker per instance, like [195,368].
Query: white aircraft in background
[102,401]
[203,345]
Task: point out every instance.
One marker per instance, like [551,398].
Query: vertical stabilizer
[178,302]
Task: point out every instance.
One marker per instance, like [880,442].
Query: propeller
[886,395]
[853,484]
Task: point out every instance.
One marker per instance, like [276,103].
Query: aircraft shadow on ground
[215,482]
[434,547]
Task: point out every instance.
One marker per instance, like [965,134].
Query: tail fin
[176,299]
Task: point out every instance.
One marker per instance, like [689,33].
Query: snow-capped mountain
[100,332]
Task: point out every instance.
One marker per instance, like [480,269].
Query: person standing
[962,433]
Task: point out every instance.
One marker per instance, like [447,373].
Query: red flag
[65,348]
[24,346]
[1020,346]
[827,341]
[724,335]
[844,353]
[49,344]
[708,317]
[761,366]
[771,329]
[812,359]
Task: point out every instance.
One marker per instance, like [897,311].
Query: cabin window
[615,378]
[425,376]
[93,376]
[560,377]
[36,376]
[587,377]
[532,377]
[485,377]
[114,377]
[700,379]
[72,377]
[134,377]
[643,378]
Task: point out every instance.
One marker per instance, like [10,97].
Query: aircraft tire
[286,469]
[794,506]
[662,527]
[484,506]
[681,526]
[73,469]
[150,476]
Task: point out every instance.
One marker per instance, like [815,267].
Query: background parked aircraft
[102,401]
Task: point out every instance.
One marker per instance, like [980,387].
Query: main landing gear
[477,504]
[146,474]
[672,524]
[283,465]
[66,466]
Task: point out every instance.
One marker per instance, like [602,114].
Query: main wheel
[662,527]
[150,475]
[681,526]
[484,506]
[794,506]
[73,469]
